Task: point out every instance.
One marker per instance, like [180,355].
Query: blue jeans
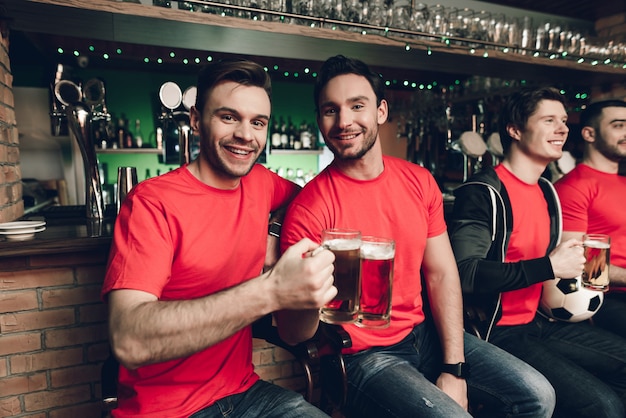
[397,381]
[262,400]
[612,314]
[585,364]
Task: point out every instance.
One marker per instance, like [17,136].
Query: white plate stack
[21,230]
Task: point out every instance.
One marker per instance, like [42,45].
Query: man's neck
[204,173]
[597,161]
[524,168]
[367,167]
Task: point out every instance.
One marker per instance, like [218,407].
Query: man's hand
[454,387]
[303,278]
[568,259]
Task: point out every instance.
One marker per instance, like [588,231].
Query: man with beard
[184,280]
[593,198]
[416,367]
[505,230]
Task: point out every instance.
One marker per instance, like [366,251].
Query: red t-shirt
[403,203]
[594,201]
[179,239]
[530,239]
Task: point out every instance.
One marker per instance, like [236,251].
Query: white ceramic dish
[21,234]
[17,225]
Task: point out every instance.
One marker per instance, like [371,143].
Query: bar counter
[61,236]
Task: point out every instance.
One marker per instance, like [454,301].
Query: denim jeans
[612,314]
[585,364]
[397,381]
[262,400]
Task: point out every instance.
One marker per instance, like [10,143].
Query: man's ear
[514,132]
[194,119]
[588,134]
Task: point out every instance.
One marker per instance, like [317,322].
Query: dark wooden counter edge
[54,246]
[62,236]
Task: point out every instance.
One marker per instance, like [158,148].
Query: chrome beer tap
[79,121]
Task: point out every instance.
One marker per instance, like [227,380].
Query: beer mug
[345,244]
[377,256]
[597,260]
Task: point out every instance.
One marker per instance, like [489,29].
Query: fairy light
[408,46]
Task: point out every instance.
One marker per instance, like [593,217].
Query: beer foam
[376,252]
[597,244]
[342,244]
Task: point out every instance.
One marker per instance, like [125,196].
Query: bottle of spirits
[138,135]
[275,135]
[305,136]
[284,137]
[121,133]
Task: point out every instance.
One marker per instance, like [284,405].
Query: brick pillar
[11,203]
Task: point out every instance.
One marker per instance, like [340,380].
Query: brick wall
[53,338]
[11,203]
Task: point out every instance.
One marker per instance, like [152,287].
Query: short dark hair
[520,106]
[339,65]
[590,116]
[240,71]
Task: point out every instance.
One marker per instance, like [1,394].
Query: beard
[212,152]
[610,151]
[356,151]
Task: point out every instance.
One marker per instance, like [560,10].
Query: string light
[407,84]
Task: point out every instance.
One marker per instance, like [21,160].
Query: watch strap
[274,229]
[459,369]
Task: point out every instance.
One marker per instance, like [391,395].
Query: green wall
[135,95]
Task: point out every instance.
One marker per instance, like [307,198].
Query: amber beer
[597,255]
[377,255]
[345,244]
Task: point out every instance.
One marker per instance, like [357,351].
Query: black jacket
[480,228]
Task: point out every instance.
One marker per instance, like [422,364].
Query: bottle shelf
[129,151]
[296,151]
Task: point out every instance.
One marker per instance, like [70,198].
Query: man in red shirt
[593,198]
[184,280]
[505,233]
[416,367]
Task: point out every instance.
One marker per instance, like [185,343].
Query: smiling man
[505,233]
[418,365]
[184,278]
[593,197]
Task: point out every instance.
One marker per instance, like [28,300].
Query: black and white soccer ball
[568,300]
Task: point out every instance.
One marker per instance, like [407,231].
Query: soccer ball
[568,300]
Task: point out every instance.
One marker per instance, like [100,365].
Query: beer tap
[79,121]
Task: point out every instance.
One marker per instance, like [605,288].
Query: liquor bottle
[138,135]
[284,137]
[121,132]
[159,138]
[275,135]
[292,133]
[305,136]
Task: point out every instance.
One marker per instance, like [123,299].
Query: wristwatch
[274,229]
[461,370]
